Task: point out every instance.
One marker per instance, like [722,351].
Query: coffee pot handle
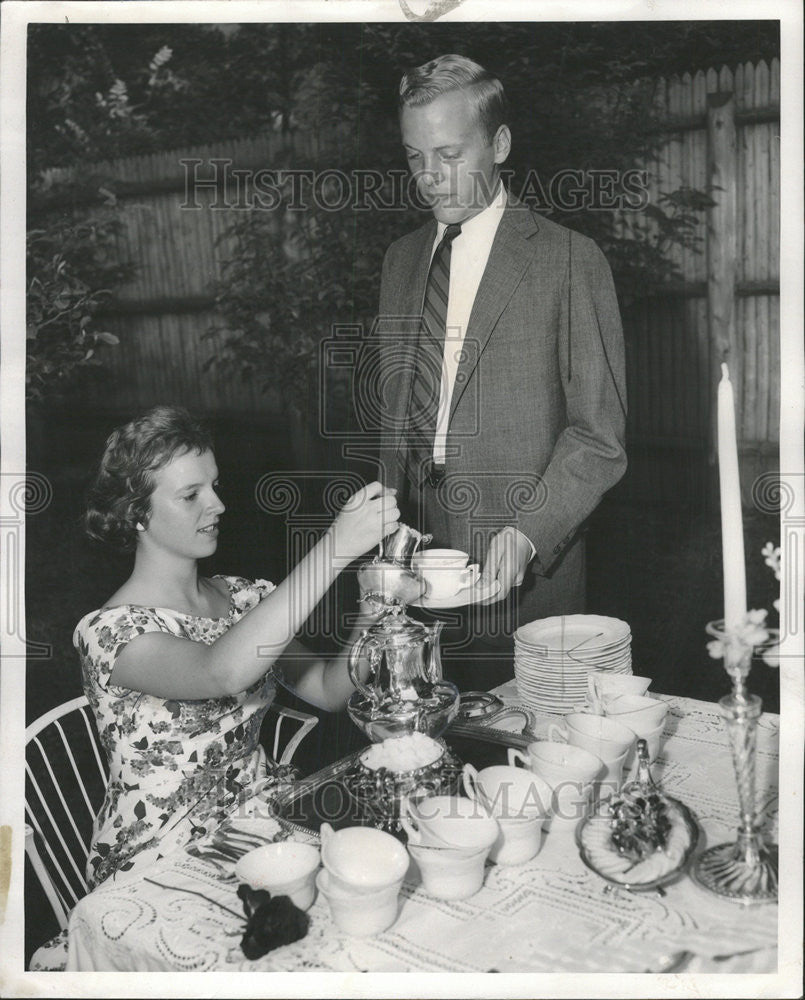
[365,642]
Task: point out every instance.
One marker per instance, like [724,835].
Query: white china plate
[570,666]
[566,672]
[563,632]
[469,595]
[576,656]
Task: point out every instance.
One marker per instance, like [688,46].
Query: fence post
[722,249]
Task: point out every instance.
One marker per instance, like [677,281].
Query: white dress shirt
[468,257]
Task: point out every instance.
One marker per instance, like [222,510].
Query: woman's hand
[367,517]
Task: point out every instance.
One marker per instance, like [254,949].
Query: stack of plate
[553,657]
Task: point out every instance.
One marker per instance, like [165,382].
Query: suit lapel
[404,326]
[510,256]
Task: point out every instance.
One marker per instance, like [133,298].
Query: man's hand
[506,561]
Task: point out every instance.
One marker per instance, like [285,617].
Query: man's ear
[502,143]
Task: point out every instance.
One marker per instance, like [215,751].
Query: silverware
[235,843]
[239,842]
[223,862]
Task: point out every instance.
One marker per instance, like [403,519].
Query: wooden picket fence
[725,303]
[677,337]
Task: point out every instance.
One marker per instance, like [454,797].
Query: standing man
[501,361]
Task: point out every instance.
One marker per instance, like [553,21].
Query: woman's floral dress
[177,768]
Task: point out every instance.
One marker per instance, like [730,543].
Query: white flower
[771,656]
[771,556]
[750,633]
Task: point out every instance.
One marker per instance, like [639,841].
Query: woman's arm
[170,667]
[324,683]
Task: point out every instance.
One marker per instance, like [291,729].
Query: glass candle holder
[745,870]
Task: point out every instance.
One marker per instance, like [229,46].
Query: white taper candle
[732,536]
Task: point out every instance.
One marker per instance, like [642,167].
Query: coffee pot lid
[397,629]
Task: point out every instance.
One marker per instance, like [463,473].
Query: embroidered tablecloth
[549,915]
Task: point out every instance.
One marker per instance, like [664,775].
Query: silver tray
[328,794]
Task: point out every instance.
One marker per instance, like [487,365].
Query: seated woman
[179,668]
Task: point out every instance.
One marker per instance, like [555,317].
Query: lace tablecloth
[550,915]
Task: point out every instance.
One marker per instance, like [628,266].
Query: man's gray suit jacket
[537,417]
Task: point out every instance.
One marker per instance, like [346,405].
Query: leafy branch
[71,274]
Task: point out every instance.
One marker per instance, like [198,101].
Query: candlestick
[744,870]
[732,538]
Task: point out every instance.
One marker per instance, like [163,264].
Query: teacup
[612,774]
[519,840]
[448,873]
[448,821]
[284,869]
[569,771]
[633,708]
[360,914]
[449,558]
[361,859]
[508,791]
[614,685]
[445,572]
[603,737]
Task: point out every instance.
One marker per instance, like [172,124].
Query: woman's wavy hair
[120,495]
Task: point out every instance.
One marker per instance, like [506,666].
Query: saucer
[469,595]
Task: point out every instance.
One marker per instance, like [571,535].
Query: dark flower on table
[272,922]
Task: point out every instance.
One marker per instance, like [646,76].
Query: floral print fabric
[177,767]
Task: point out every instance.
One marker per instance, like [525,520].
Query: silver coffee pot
[403,658]
[405,691]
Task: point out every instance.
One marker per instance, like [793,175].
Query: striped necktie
[426,385]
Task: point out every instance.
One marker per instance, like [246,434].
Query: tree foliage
[103,90]
[581,96]
[71,270]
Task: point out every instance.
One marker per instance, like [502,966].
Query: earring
[140,527]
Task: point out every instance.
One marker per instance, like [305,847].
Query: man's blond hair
[449,73]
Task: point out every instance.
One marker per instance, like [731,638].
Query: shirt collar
[486,221]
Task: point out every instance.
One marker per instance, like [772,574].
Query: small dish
[593,837]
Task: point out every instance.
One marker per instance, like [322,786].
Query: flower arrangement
[772,557]
[752,632]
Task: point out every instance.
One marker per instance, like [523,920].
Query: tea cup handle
[516,755]
[469,777]
[556,733]
[406,816]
